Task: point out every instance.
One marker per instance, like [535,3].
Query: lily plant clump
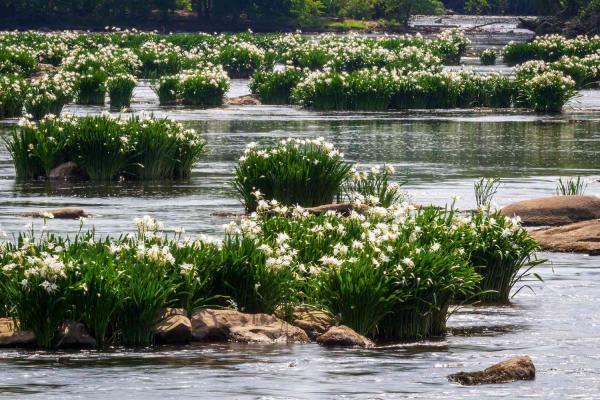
[551,48]
[105,148]
[120,90]
[49,94]
[308,172]
[205,87]
[389,273]
[275,87]
[12,95]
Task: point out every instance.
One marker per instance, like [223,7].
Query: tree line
[274,14]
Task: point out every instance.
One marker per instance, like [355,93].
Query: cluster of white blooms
[553,79]
[109,58]
[50,88]
[241,54]
[159,52]
[161,255]
[148,226]
[209,75]
[555,44]
[121,78]
[291,144]
[44,270]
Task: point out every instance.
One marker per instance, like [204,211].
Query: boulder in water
[343,336]
[313,322]
[514,369]
[10,337]
[174,327]
[555,210]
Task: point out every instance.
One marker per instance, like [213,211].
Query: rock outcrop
[313,322]
[581,237]
[173,327]
[343,336]
[555,210]
[514,369]
[10,337]
[246,100]
[231,325]
[59,213]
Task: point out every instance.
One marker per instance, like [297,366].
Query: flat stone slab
[581,237]
[555,210]
[234,326]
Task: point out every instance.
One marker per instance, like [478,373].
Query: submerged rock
[59,213]
[73,336]
[246,100]
[581,237]
[313,322]
[514,369]
[555,210]
[344,336]
[68,171]
[9,337]
[174,327]
[232,325]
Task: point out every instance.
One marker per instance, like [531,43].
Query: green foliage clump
[305,172]
[105,148]
[547,92]
[17,60]
[571,187]
[120,90]
[91,88]
[502,252]
[203,88]
[374,187]
[12,95]
[49,94]
[275,87]
[240,60]
[488,57]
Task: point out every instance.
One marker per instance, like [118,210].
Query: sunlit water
[441,154]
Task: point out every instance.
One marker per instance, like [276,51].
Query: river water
[441,154]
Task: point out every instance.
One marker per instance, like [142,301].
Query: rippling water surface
[441,154]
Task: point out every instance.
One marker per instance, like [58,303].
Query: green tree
[476,6]
[401,10]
